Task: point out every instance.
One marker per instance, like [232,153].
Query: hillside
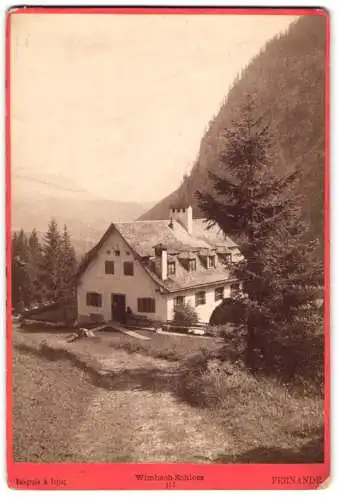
[35,199]
[287,83]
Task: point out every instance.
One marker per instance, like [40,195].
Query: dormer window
[228,258]
[188,260]
[225,258]
[211,261]
[171,268]
[192,265]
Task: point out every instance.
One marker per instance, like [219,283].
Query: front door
[118,307]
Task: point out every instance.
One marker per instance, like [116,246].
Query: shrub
[295,358]
[185,314]
[256,409]
[232,345]
[192,369]
[229,311]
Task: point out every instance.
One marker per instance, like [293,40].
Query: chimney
[162,253]
[183,216]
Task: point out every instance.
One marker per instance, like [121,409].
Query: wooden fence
[144,322]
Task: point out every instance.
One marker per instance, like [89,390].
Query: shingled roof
[143,236]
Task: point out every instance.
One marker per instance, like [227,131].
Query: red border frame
[122,476]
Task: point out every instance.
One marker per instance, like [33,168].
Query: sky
[118,104]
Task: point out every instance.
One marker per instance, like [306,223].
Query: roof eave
[202,285]
[137,257]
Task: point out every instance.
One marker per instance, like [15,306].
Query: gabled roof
[90,256]
[143,236]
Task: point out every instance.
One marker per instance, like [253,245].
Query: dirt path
[59,415]
[141,426]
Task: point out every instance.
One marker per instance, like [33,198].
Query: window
[192,265]
[109,267]
[171,268]
[179,300]
[228,258]
[117,253]
[94,299]
[200,298]
[146,305]
[225,258]
[219,293]
[211,261]
[128,268]
[234,289]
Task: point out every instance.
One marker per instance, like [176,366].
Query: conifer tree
[50,271]
[259,212]
[67,266]
[42,271]
[296,281]
[33,241]
[34,267]
[21,283]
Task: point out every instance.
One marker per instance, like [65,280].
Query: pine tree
[33,241]
[21,282]
[50,271]
[259,212]
[295,320]
[34,267]
[67,266]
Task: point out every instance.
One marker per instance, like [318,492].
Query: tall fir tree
[34,267]
[258,211]
[42,272]
[50,271]
[67,266]
[21,282]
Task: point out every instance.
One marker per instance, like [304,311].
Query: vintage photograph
[167,213]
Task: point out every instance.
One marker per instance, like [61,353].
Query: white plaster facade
[94,279]
[140,285]
[204,311]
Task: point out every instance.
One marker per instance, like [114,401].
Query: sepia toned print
[167,241]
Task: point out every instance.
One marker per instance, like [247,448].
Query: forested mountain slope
[286,82]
